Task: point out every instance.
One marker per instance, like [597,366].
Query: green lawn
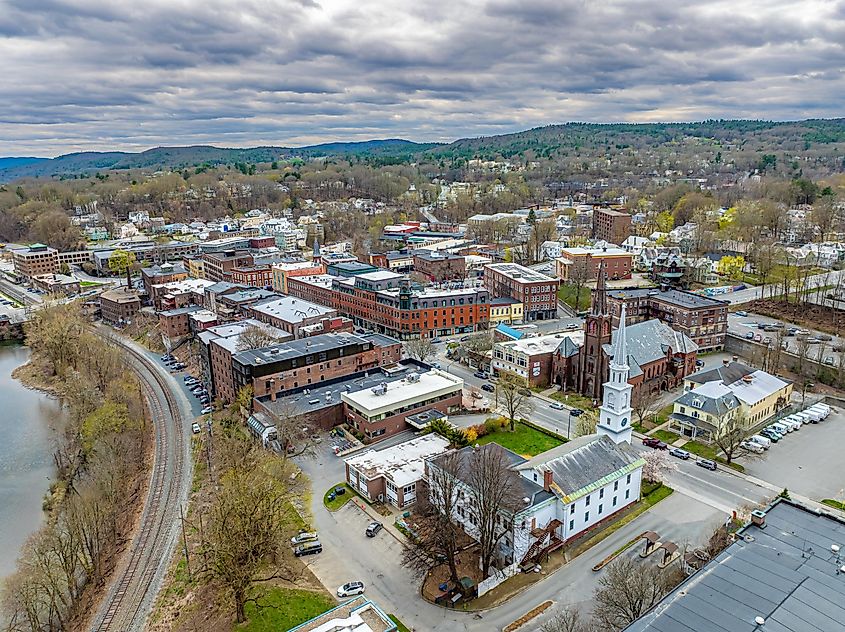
[400,627]
[566,293]
[666,436]
[523,440]
[834,503]
[339,501]
[710,451]
[287,608]
[777,274]
[88,284]
[657,495]
[573,399]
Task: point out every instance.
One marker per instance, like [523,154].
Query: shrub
[470,434]
[480,430]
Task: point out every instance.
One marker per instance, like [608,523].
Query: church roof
[649,341]
[584,464]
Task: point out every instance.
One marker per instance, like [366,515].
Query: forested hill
[552,140]
[192,156]
[648,146]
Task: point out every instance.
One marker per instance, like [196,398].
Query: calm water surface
[27,418]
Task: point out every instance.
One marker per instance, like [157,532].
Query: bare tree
[479,343]
[627,590]
[419,349]
[292,429]
[644,401]
[731,437]
[586,423]
[567,619]
[513,397]
[255,337]
[493,495]
[579,274]
[437,537]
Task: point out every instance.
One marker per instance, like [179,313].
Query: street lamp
[804,391]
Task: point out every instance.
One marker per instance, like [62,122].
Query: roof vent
[759,620]
[834,548]
[526,500]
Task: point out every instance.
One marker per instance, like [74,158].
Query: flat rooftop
[542,344]
[672,296]
[403,463]
[398,391]
[516,271]
[785,572]
[298,348]
[290,309]
[594,252]
[358,615]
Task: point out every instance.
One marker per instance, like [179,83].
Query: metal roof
[785,572]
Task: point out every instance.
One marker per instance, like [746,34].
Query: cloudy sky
[129,75]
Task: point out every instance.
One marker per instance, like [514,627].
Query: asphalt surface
[744,325]
[752,293]
[807,461]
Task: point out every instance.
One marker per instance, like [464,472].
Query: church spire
[620,347]
[600,296]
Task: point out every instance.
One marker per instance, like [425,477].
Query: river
[27,419]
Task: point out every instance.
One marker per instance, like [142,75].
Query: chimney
[758,518]
[272,389]
[735,358]
[725,362]
[548,479]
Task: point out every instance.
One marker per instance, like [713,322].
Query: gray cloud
[114,74]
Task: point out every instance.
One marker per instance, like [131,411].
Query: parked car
[771,434]
[761,440]
[791,331]
[350,589]
[476,395]
[572,326]
[303,536]
[436,341]
[524,391]
[681,454]
[751,446]
[829,361]
[652,442]
[750,335]
[576,412]
[488,387]
[557,406]
[481,375]
[309,548]
[706,464]
[758,338]
[464,338]
[373,528]
[741,313]
[825,337]
[195,428]
[699,363]
[207,410]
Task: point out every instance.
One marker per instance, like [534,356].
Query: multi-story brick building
[182,321]
[288,313]
[506,310]
[611,226]
[253,276]
[531,358]
[119,305]
[702,318]
[396,260]
[159,275]
[218,265]
[537,292]
[35,260]
[286,269]
[295,363]
[586,261]
[385,302]
[439,266]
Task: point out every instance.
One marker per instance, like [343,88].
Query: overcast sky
[129,75]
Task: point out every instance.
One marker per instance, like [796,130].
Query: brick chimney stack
[548,479]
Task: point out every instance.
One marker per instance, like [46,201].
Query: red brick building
[618,263]
[218,266]
[536,291]
[253,276]
[385,302]
[439,266]
[119,305]
[611,226]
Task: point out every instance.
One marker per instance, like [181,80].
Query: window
[615,485]
[587,502]
[535,477]
[627,494]
[587,516]
[572,525]
[601,507]
[572,508]
[629,479]
[601,493]
[614,501]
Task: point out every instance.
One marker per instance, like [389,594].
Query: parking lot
[807,461]
[748,325]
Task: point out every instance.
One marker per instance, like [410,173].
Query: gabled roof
[725,374]
[584,464]
[649,341]
[713,397]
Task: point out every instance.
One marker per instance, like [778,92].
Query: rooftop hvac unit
[413,376]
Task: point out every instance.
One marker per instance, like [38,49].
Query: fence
[498,576]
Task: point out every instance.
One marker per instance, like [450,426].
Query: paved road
[743,325]
[753,293]
[139,574]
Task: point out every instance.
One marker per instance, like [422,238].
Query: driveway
[807,461]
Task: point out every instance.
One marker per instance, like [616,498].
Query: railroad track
[136,583]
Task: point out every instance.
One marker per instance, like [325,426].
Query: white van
[781,427]
[761,440]
[793,421]
[752,446]
[804,417]
[815,415]
[820,411]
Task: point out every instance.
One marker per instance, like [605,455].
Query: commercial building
[299,363]
[282,271]
[180,293]
[184,321]
[219,343]
[350,268]
[713,398]
[782,572]
[218,266]
[252,276]
[159,275]
[391,475]
[395,261]
[119,306]
[439,266]
[584,263]
[701,318]
[382,410]
[611,226]
[288,313]
[531,358]
[57,284]
[35,260]
[506,310]
[356,615]
[537,292]
[385,302]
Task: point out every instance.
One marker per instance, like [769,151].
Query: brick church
[658,356]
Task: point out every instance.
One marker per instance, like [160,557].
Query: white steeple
[615,411]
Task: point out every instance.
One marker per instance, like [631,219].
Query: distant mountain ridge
[14,168]
[794,137]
